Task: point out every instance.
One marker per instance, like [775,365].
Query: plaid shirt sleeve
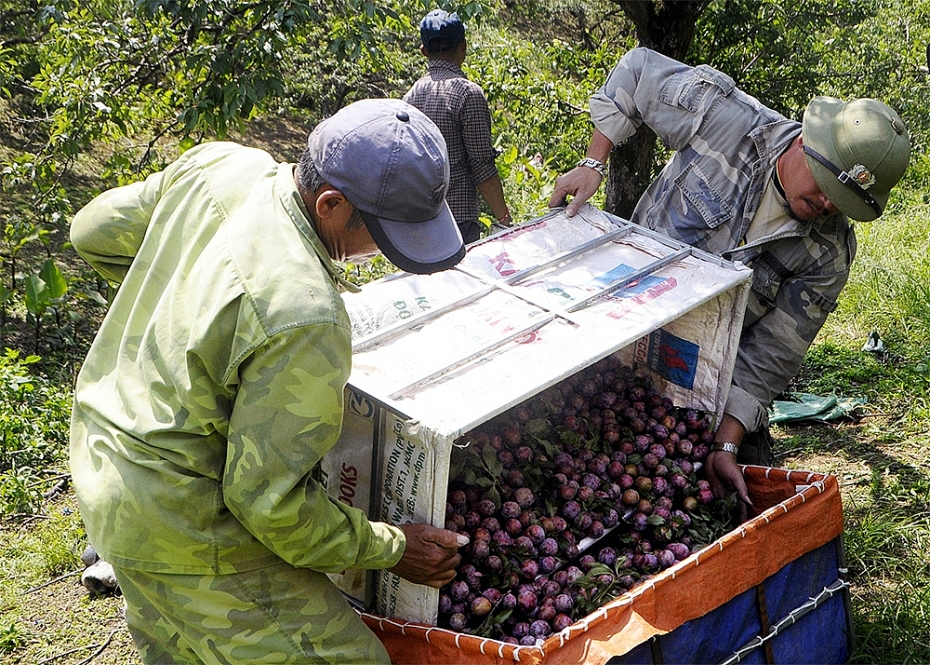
[476,131]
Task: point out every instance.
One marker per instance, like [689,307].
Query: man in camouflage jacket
[747,184]
[215,385]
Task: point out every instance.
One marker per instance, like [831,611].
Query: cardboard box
[434,356]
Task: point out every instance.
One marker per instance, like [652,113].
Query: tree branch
[99,649]
[50,582]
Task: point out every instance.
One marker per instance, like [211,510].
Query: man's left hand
[725,477]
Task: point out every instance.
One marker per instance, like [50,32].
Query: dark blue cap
[440,24]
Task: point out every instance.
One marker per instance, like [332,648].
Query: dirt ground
[58,621]
[58,609]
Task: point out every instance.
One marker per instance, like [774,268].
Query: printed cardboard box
[434,356]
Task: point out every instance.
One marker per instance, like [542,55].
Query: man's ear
[328,201]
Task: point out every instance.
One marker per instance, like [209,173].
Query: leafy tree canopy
[132,76]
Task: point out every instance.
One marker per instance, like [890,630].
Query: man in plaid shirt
[460,110]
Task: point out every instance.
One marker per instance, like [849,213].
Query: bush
[34,417]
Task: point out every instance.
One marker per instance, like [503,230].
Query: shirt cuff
[746,409]
[391,542]
[608,119]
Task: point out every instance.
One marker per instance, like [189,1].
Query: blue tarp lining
[806,618]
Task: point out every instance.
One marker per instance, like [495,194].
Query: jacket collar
[296,209]
[773,138]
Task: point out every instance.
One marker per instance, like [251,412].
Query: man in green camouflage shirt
[215,385]
[747,184]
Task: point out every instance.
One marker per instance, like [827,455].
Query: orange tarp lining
[797,513]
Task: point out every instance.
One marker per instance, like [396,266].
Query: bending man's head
[390,162]
[856,151]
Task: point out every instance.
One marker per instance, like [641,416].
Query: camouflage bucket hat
[857,151]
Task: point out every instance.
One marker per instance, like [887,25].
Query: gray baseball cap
[390,162]
[857,151]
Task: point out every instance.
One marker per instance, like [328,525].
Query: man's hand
[725,477]
[431,555]
[580,183]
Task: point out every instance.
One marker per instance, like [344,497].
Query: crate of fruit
[535,325]
[771,590]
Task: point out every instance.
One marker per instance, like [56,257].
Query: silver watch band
[592,163]
[725,446]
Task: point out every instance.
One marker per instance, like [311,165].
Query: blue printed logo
[361,405]
[673,358]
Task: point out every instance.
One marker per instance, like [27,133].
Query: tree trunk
[631,170]
[666,26]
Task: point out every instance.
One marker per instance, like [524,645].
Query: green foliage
[372,269]
[45,290]
[538,92]
[781,53]
[112,70]
[12,636]
[34,418]
[888,290]
[786,53]
[887,546]
[529,181]
[132,76]
[885,56]
[19,233]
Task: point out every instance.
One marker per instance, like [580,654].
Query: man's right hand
[580,183]
[431,555]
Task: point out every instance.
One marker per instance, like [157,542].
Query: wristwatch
[592,163]
[725,446]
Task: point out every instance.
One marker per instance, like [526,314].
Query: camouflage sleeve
[668,96]
[782,321]
[287,414]
[108,231]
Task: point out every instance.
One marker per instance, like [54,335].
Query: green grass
[887,549]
